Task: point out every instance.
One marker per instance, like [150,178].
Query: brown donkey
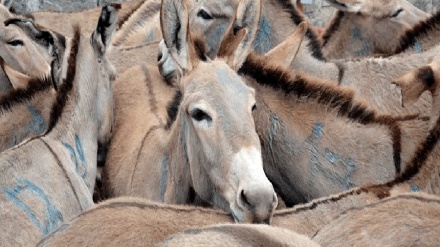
[33,202]
[368,27]
[208,147]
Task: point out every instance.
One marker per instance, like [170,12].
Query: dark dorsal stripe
[67,85]
[422,29]
[314,45]
[126,16]
[24,95]
[331,96]
[333,27]
[173,109]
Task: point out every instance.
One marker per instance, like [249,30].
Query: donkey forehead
[217,8]
[216,79]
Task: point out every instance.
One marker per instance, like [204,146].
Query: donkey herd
[164,122]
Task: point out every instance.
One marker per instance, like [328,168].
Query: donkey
[368,27]
[25,112]
[238,235]
[207,130]
[412,217]
[80,119]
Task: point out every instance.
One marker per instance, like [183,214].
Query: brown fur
[425,33]
[238,235]
[87,19]
[404,220]
[37,203]
[370,30]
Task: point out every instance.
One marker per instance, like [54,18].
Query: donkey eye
[254,107]
[396,13]
[204,15]
[200,115]
[15,42]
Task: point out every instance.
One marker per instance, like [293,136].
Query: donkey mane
[420,157]
[314,45]
[423,28]
[332,96]
[127,15]
[21,95]
[173,109]
[66,87]
[335,24]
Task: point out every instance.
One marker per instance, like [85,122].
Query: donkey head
[212,19]
[396,13]
[21,54]
[50,45]
[216,110]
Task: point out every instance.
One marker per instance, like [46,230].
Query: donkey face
[223,147]
[21,54]
[212,19]
[394,13]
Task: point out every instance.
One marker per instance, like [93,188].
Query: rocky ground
[319,11]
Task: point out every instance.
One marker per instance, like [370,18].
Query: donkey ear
[236,45]
[286,51]
[105,29]
[174,25]
[17,79]
[7,3]
[414,83]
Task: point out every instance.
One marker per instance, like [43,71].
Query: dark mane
[335,24]
[123,18]
[173,109]
[342,100]
[66,86]
[314,44]
[419,31]
[23,95]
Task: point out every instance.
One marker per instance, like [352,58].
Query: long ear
[286,51]
[17,79]
[414,83]
[7,3]
[174,25]
[236,46]
[105,29]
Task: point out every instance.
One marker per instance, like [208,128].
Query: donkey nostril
[244,200]
[159,56]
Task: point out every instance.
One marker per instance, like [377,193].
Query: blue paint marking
[414,188]
[78,152]
[417,47]
[163,177]
[262,41]
[366,47]
[312,144]
[38,124]
[14,137]
[53,217]
[150,36]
